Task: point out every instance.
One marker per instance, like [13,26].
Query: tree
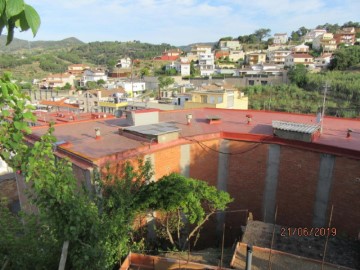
[101,82]
[165,81]
[183,201]
[262,33]
[298,75]
[17,14]
[344,58]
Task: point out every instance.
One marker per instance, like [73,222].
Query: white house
[309,37]
[93,76]
[133,89]
[278,56]
[124,63]
[280,38]
[206,64]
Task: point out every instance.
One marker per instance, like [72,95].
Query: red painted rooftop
[81,135]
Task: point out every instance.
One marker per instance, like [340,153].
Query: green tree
[344,58]
[183,201]
[297,75]
[17,14]
[165,81]
[262,33]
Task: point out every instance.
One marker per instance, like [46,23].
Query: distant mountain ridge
[19,45]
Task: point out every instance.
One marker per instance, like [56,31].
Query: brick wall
[345,196]
[167,161]
[297,182]
[204,162]
[247,172]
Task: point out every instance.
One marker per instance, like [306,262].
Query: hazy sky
[181,22]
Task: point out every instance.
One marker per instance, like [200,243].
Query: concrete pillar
[222,182]
[185,160]
[151,157]
[271,181]
[323,190]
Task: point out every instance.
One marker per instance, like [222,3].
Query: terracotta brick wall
[167,161]
[247,172]
[297,183]
[345,196]
[204,162]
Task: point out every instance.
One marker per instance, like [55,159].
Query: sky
[182,22]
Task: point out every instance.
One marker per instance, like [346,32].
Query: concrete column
[185,160]
[222,182]
[271,181]
[151,157]
[323,189]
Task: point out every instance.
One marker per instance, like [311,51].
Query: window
[203,99]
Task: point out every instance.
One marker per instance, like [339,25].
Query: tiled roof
[296,127]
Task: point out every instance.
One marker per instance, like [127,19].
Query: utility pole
[323,108]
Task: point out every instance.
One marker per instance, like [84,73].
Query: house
[57,80]
[182,66]
[299,58]
[93,76]
[132,88]
[323,61]
[310,36]
[255,58]
[280,38]
[236,56]
[77,69]
[63,104]
[302,48]
[124,63]
[206,64]
[346,36]
[170,55]
[217,96]
[221,54]
[230,45]
[325,42]
[198,49]
[278,56]
[89,100]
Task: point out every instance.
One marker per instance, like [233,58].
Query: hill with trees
[21,46]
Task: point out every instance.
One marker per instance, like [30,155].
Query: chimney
[99,94]
[97,134]
[188,118]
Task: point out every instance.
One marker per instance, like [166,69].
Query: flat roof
[81,135]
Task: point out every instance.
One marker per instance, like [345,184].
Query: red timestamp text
[304,231]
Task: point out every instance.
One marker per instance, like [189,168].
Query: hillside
[187,48]
[20,46]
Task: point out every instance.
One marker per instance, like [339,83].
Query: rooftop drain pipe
[249,251]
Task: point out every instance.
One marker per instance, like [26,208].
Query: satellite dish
[119,113]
